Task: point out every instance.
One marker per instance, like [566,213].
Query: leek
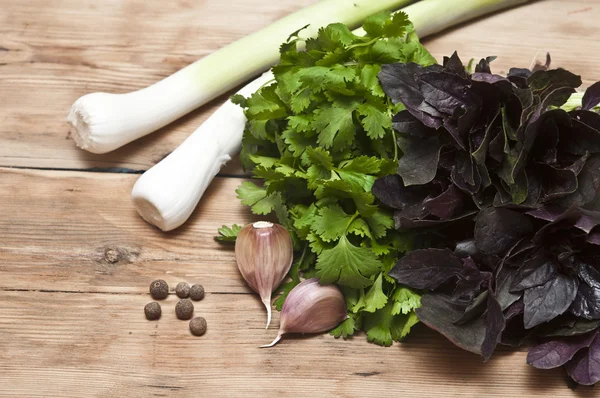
[102,122]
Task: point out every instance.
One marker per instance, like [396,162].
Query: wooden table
[76,260]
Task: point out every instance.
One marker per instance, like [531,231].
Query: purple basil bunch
[503,183]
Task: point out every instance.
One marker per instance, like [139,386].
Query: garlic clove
[311,308]
[264,254]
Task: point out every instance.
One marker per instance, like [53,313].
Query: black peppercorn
[152,311]
[182,290]
[197,292]
[159,289]
[198,326]
[184,309]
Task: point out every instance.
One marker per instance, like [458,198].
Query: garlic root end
[267,304]
[273,342]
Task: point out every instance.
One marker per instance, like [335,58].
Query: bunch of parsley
[318,137]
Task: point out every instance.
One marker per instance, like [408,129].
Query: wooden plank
[74,231]
[52,52]
[73,345]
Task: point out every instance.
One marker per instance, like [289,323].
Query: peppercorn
[182,290]
[197,292]
[184,309]
[198,326]
[152,311]
[159,289]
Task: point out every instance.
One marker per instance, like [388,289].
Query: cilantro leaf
[228,234]
[258,199]
[375,121]
[405,301]
[331,223]
[336,126]
[383,327]
[346,328]
[375,298]
[348,264]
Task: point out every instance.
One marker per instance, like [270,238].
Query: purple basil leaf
[536,271]
[591,97]
[515,309]
[575,328]
[495,324]
[588,220]
[406,123]
[426,269]
[585,367]
[403,222]
[445,93]
[497,230]
[390,190]
[400,84]
[519,76]
[419,164]
[438,312]
[475,309]
[557,182]
[587,302]
[515,335]
[454,65]
[581,138]
[555,353]
[504,279]
[546,302]
[447,204]
[483,66]
[547,213]
[470,281]
[465,248]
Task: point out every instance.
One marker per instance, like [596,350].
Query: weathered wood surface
[72,323]
[52,52]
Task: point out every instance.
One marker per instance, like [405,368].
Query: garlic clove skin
[264,254]
[311,308]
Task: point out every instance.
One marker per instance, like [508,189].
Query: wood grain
[72,324]
[79,232]
[52,52]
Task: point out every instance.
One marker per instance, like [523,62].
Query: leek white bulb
[167,194]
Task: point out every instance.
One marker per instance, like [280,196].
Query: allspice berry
[152,311]
[182,290]
[184,309]
[197,292]
[198,326]
[159,289]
